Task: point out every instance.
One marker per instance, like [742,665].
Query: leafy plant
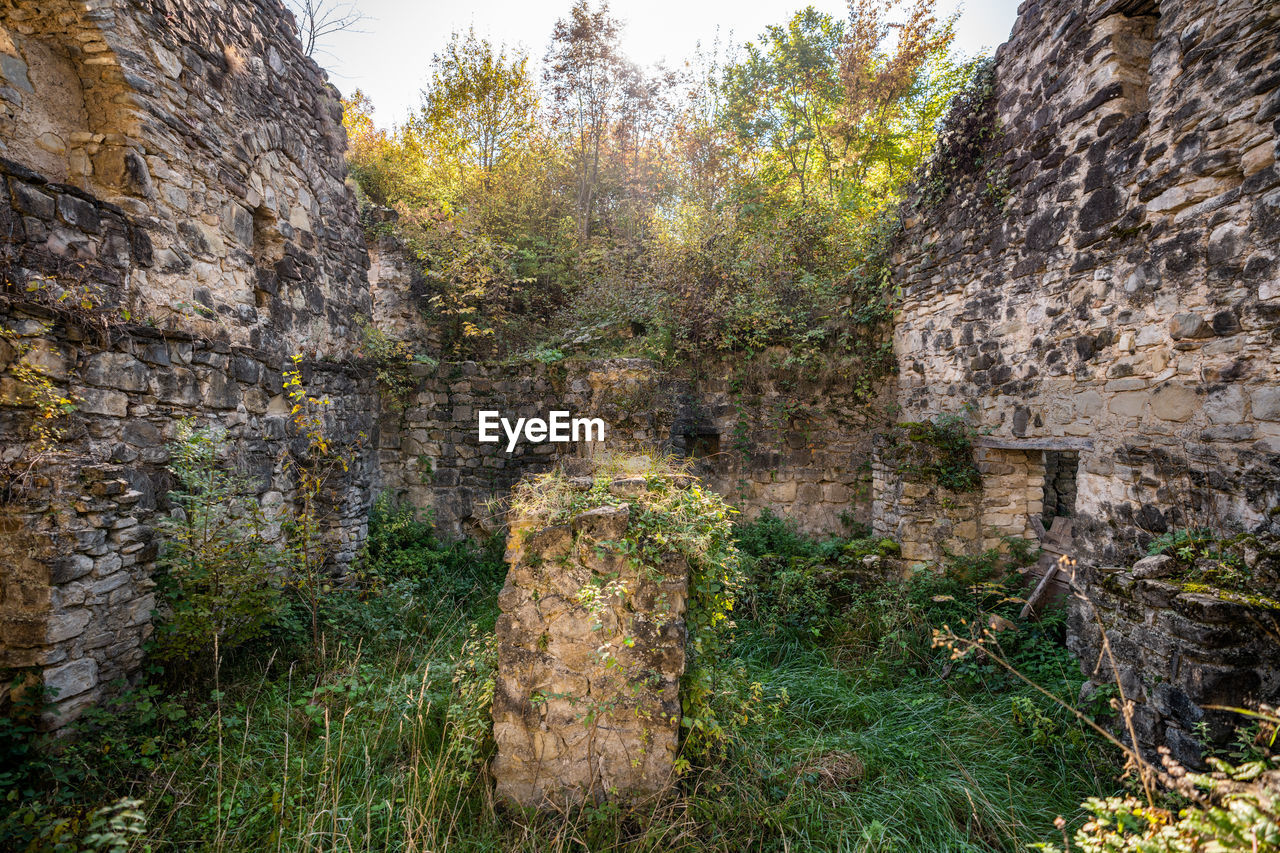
[315,468]
[938,451]
[401,547]
[392,360]
[219,577]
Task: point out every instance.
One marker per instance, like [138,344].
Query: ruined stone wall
[767,438]
[1110,277]
[401,303]
[205,124]
[173,227]
[925,519]
[801,449]
[1176,651]
[430,455]
[591,649]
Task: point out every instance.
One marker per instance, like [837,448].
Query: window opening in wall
[701,445]
[1060,478]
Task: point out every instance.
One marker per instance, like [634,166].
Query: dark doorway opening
[1061,469]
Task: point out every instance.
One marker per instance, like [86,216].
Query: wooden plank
[1039,591]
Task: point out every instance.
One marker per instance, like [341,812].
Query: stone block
[70,568]
[67,624]
[1189,325]
[1128,403]
[1265,403]
[1159,566]
[99,401]
[72,678]
[1172,402]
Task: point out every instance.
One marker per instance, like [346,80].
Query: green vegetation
[861,736]
[739,204]
[1242,566]
[216,571]
[939,452]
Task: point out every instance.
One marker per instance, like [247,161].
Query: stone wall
[83,546]
[927,520]
[586,700]
[205,124]
[769,438]
[431,457]
[401,301]
[801,449]
[1110,275]
[1176,652]
[174,225]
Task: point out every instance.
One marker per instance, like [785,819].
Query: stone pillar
[591,650]
[1012,492]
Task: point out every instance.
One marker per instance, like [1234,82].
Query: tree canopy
[726,205]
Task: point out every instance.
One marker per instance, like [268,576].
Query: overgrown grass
[868,739]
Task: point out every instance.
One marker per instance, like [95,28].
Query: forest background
[740,202]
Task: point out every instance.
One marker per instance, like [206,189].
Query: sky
[389,58]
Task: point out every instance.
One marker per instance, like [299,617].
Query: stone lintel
[996,442]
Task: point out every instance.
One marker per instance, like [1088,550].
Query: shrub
[401,547]
[217,573]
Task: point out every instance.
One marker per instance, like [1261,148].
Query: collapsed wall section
[1101,279]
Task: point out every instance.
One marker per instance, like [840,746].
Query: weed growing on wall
[392,362]
[939,452]
[315,467]
[965,142]
[218,575]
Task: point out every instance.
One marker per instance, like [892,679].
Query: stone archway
[66,108]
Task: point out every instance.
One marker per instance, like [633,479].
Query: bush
[218,576]
[401,547]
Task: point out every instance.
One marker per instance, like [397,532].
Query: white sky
[389,59]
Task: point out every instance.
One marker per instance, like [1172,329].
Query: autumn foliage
[724,205]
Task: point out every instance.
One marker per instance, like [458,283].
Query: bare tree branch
[318,19]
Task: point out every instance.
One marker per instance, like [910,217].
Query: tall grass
[367,756]
[381,744]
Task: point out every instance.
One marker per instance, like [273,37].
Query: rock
[65,625]
[1174,402]
[116,370]
[72,679]
[99,401]
[70,568]
[1159,566]
[1189,326]
[1265,403]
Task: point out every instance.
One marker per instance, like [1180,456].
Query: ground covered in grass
[864,736]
